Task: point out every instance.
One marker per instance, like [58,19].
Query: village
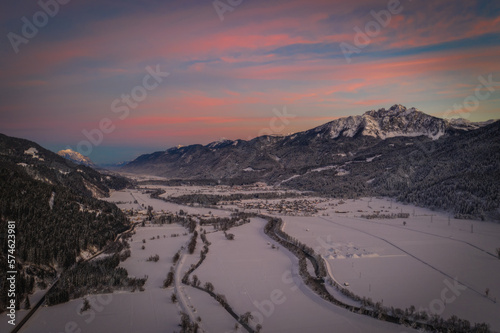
[148,216]
[301,207]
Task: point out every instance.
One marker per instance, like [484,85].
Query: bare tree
[246,317]
[170,278]
[221,299]
[27,304]
[209,286]
[86,305]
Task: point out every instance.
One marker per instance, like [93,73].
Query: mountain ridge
[49,167]
[366,124]
[393,153]
[373,125]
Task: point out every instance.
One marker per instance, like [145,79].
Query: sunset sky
[234,66]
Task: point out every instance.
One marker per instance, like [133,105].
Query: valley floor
[437,264]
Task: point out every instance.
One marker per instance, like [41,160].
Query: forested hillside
[458,173]
[49,167]
[56,217]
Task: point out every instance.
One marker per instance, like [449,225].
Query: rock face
[395,122]
[76,157]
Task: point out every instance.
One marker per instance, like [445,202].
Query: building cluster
[162,216]
[301,207]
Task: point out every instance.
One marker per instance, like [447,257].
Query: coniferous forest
[54,224]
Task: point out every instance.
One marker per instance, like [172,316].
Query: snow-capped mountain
[395,122]
[75,157]
[278,157]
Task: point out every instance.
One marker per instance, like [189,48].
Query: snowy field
[129,197]
[438,266]
[257,278]
[431,261]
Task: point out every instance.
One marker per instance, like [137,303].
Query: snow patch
[274,157]
[34,153]
[324,168]
[288,179]
[51,200]
[342,172]
[369,159]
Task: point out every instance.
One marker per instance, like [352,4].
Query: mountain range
[400,152]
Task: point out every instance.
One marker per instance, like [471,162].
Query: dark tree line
[170,278]
[96,276]
[214,199]
[192,243]
[225,223]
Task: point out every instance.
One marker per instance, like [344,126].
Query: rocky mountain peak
[75,157]
[396,110]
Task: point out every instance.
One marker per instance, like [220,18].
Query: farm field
[438,266]
[426,260]
[271,289]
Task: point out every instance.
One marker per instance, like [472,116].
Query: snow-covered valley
[425,261]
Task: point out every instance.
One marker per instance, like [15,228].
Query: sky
[115,79]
